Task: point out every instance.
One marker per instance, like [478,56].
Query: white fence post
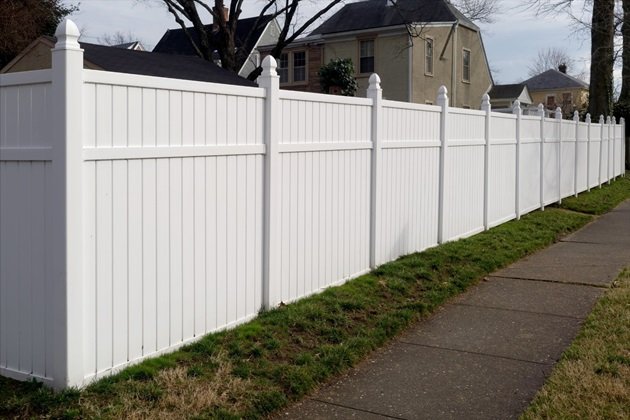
[67,206]
[442,101]
[516,110]
[541,114]
[375,93]
[622,121]
[608,159]
[558,116]
[588,153]
[601,150]
[613,139]
[270,81]
[576,118]
[487,107]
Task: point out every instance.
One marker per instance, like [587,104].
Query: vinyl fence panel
[139,213]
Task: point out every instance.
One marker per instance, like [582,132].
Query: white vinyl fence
[138,213]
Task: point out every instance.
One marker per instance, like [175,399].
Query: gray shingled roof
[175,41]
[159,65]
[381,13]
[506,91]
[554,79]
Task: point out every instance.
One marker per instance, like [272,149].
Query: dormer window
[366,64]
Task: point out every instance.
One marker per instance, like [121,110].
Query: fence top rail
[503,115]
[530,118]
[26,78]
[163,83]
[323,98]
[463,111]
[410,106]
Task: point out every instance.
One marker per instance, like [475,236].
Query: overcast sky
[511,42]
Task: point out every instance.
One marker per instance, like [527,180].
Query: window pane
[283,68]
[366,64]
[566,98]
[299,66]
[428,65]
[299,59]
[367,48]
[466,75]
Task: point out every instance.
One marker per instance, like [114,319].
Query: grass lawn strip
[592,379]
[259,367]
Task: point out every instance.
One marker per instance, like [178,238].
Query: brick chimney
[215,24]
[562,68]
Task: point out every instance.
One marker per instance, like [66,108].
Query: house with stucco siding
[415,46]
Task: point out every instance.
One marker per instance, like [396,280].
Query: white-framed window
[466,65]
[366,56]
[567,98]
[292,67]
[428,57]
[550,101]
[299,66]
[283,68]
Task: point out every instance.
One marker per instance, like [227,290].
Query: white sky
[511,42]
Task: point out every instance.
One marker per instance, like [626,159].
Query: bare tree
[222,36]
[624,96]
[550,58]
[482,11]
[601,19]
[117,38]
[602,57]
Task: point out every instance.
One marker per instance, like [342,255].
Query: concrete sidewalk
[485,354]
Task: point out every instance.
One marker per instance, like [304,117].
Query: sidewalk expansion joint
[494,356]
[356,409]
[496,308]
[571,283]
[569,241]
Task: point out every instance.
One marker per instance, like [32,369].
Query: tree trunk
[624,97]
[602,43]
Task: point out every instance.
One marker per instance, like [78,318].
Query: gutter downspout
[454,69]
[453,92]
[410,58]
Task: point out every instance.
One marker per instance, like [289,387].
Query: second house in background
[415,46]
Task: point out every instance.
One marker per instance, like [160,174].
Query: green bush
[339,72]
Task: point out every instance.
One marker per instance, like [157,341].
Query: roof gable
[175,41]
[554,79]
[372,14]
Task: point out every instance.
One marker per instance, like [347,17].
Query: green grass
[285,353]
[592,379]
[600,201]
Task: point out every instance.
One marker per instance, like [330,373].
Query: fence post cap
[588,118]
[516,107]
[442,98]
[269,66]
[622,120]
[608,119]
[67,34]
[374,82]
[485,102]
[601,119]
[558,112]
[576,116]
[614,120]
[541,110]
